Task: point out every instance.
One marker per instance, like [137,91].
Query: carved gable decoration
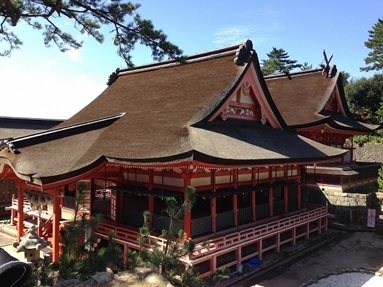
[243,105]
[332,104]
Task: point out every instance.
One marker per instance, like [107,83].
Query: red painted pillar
[286,198]
[187,215]
[235,197]
[271,202]
[299,196]
[56,225]
[151,210]
[235,209]
[260,248]
[20,212]
[294,235]
[278,242]
[254,204]
[307,231]
[213,208]
[187,225]
[151,197]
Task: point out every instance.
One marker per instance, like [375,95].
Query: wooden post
[319,223]
[187,215]
[213,208]
[254,204]
[56,225]
[278,242]
[151,209]
[151,202]
[235,197]
[271,202]
[213,263]
[20,212]
[235,209]
[294,235]
[299,196]
[325,224]
[307,226]
[260,248]
[286,197]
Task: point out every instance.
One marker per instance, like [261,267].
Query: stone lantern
[31,245]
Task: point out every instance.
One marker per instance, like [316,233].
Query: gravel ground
[352,279]
[351,261]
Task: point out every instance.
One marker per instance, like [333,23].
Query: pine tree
[88,17]
[163,254]
[278,62]
[374,60]
[380,179]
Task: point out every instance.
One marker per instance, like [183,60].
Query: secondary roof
[312,98]
[158,115]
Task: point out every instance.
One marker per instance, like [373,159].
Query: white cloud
[74,55]
[232,35]
[237,34]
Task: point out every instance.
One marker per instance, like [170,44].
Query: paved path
[6,242]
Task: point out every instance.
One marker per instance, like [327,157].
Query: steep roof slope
[16,127]
[301,99]
[156,115]
[159,104]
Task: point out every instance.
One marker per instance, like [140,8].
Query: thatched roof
[158,115]
[17,127]
[301,99]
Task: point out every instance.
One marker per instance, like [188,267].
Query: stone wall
[349,207]
[345,199]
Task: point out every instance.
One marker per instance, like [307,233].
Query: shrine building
[212,122]
[326,119]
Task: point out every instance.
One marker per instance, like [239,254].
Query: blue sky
[40,82]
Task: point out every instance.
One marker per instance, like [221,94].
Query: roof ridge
[240,52]
[193,57]
[284,75]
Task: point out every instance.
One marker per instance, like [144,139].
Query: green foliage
[380,179]
[305,66]
[88,17]
[374,60]
[345,78]
[365,98]
[279,62]
[41,275]
[362,139]
[79,259]
[163,253]
[81,186]
[372,201]
[218,276]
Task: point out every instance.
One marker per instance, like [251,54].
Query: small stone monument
[31,245]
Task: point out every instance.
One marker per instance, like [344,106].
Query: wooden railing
[120,233]
[258,232]
[130,237]
[47,228]
[15,204]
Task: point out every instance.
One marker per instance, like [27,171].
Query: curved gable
[250,100]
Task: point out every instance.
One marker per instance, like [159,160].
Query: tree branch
[11,10]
